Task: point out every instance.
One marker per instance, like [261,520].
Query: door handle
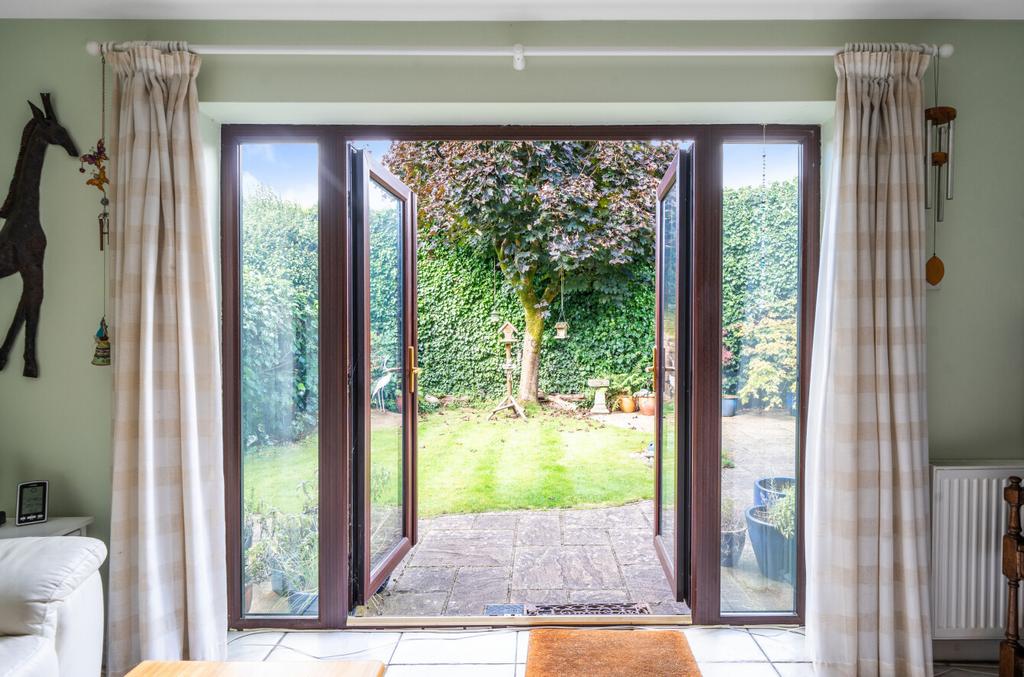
[414,371]
[654,368]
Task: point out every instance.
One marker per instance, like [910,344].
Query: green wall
[57,427]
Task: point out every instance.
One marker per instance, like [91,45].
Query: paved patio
[465,562]
[759,445]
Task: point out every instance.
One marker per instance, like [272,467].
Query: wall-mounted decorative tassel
[101,355]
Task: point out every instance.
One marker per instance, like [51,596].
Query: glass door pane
[671,368]
[668,283]
[760,376]
[387,376]
[384,388]
[279,232]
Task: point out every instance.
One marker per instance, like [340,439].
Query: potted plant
[622,387]
[646,402]
[730,401]
[286,552]
[772,531]
[620,395]
[256,568]
[767,490]
[734,534]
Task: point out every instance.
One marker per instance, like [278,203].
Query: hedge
[459,347]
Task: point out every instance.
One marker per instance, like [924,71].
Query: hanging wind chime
[97,159]
[561,327]
[940,123]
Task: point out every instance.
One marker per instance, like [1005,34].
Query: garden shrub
[280,319]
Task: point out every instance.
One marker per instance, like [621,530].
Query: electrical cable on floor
[969,668]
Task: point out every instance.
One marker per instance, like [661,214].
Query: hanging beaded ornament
[97,160]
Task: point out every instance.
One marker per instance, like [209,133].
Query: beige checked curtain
[867,438]
[167,570]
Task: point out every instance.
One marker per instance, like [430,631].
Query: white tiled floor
[720,652]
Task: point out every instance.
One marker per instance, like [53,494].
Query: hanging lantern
[495,317]
[101,355]
[561,327]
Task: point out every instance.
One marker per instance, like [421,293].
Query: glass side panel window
[760,384]
[280,378]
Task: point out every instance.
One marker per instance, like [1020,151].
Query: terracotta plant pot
[627,404]
[646,405]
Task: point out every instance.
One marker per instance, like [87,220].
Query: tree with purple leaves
[552,213]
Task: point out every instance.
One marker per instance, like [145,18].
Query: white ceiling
[511,10]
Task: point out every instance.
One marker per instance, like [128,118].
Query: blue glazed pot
[775,554]
[729,406]
[790,403]
[767,490]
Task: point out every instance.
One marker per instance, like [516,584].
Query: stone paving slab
[539,529]
[463,547]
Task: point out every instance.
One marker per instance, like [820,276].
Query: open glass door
[672,374]
[384,378]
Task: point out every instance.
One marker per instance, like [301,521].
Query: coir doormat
[609,653]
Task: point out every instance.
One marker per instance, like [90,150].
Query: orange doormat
[609,653]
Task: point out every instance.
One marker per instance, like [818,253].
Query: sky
[290,169]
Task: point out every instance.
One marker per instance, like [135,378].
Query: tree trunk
[532,334]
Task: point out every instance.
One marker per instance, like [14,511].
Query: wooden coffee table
[253,669]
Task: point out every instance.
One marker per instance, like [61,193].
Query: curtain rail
[518,53]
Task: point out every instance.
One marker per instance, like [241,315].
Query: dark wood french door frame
[707,385]
[335,423]
[336,440]
[364,169]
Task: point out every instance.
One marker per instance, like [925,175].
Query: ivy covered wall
[460,348]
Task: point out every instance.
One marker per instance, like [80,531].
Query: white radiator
[968,523]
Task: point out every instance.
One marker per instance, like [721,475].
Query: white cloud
[304,194]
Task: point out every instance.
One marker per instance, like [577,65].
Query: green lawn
[469,464]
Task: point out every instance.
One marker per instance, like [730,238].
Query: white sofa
[51,607]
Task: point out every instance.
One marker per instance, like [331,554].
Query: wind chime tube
[939,202]
[928,164]
[949,161]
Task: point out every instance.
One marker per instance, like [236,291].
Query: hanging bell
[561,329]
[101,355]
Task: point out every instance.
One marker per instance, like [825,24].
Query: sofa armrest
[37,575]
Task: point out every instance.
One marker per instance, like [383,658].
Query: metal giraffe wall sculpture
[22,241]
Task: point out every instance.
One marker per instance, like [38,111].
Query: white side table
[55,526]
